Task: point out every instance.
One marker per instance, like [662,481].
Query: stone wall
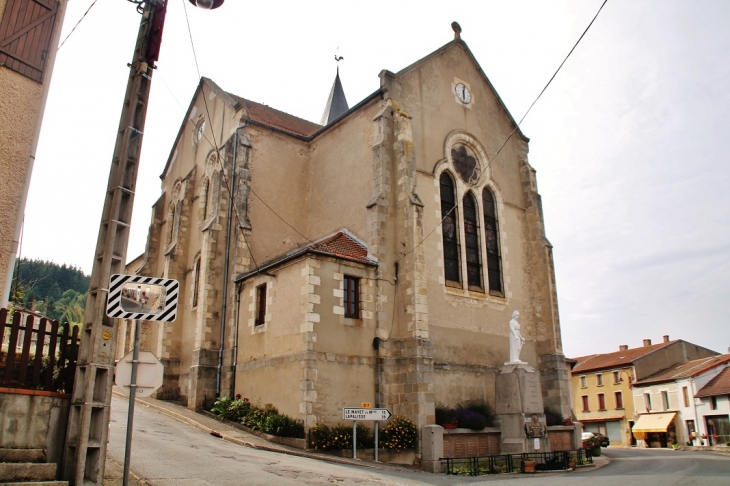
[34,420]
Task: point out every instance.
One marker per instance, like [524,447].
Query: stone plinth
[520,410]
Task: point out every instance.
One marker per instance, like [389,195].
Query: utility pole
[87,433]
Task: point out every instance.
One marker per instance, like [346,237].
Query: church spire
[336,103]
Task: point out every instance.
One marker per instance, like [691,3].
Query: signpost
[149,374]
[148,298]
[368,414]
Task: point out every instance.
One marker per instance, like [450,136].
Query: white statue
[515,339]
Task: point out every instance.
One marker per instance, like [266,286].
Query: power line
[517,125]
[77,24]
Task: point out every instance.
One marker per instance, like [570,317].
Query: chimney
[666,338]
[647,342]
[623,347]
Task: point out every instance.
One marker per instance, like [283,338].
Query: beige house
[29,32]
[605,399]
[377,258]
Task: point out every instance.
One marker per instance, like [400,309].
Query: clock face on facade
[463,93]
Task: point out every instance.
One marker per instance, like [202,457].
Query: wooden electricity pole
[88,423]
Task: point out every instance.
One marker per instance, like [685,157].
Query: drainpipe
[231,188]
[239,287]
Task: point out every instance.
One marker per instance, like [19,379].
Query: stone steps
[25,467]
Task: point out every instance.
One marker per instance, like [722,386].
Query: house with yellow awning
[675,405]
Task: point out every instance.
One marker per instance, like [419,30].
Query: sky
[628,140]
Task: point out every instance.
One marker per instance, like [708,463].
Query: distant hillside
[63,287]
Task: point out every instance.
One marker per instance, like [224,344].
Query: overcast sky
[628,141]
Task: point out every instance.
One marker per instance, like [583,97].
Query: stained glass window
[471,237]
[450,229]
[491,237]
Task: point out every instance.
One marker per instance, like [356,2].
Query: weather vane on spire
[338,58]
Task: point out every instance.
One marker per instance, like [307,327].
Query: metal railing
[37,353]
[512,463]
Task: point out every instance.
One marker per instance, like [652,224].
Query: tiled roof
[342,245]
[686,369]
[719,385]
[616,359]
[270,117]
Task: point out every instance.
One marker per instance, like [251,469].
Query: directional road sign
[372,414]
[149,374]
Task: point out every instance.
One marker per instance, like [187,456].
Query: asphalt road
[168,452]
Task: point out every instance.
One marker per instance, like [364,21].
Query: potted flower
[675,444]
[568,421]
[451,423]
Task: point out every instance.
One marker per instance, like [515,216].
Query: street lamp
[207,4]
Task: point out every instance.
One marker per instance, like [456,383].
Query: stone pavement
[211,425]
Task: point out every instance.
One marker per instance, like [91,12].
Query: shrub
[255,419]
[220,407]
[400,434]
[470,419]
[444,415]
[320,437]
[483,408]
[231,409]
[365,437]
[284,426]
[340,437]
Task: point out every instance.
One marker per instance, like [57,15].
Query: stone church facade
[377,258]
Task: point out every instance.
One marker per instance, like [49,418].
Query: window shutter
[26,31]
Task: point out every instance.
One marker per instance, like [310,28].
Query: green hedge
[398,435]
[266,419]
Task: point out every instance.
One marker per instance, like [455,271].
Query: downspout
[231,188]
[239,287]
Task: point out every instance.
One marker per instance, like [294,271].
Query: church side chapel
[377,257]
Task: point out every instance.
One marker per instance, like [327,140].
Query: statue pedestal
[520,409]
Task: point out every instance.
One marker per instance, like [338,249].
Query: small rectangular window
[713,403]
[196,283]
[691,428]
[351,298]
[616,377]
[685,396]
[647,402]
[619,400]
[260,304]
[583,382]
[599,379]
[585,403]
[601,401]
[665,400]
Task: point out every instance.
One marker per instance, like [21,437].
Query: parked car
[602,439]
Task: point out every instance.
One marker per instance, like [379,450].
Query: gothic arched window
[491,238]
[450,230]
[471,242]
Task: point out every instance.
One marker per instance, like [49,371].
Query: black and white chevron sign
[121,310]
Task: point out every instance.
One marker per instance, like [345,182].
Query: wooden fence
[38,354]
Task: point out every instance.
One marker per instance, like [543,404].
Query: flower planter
[527,467]
[596,451]
[449,426]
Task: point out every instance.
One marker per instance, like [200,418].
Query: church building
[377,257]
